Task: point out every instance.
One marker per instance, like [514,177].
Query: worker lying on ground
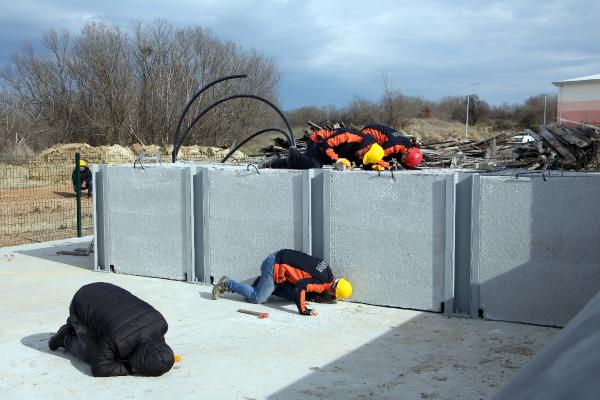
[339,147]
[306,273]
[85,178]
[395,146]
[115,332]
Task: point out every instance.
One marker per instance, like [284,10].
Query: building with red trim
[579,100]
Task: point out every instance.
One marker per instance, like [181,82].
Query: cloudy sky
[331,50]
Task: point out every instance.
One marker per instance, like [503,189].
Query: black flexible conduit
[189,104]
[255,134]
[177,145]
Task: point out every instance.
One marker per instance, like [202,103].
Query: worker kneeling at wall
[115,332]
[306,273]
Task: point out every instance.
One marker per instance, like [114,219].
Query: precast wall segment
[246,215]
[389,236]
[145,220]
[536,257]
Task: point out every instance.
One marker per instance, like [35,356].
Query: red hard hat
[413,158]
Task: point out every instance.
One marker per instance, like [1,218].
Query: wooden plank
[537,139]
[580,135]
[566,155]
[566,136]
[589,132]
[496,137]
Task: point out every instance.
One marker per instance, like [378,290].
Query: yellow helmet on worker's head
[82,163]
[343,289]
[374,155]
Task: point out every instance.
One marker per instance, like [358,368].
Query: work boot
[219,288]
[57,340]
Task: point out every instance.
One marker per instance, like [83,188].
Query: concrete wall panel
[538,254]
[147,221]
[388,236]
[250,215]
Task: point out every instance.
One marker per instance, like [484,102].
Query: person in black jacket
[85,178]
[115,332]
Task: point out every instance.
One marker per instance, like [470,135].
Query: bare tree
[107,86]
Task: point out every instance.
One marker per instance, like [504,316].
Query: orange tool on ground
[260,315]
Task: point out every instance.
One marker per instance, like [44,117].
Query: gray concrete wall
[567,367]
[536,253]
[147,226]
[388,236]
[517,249]
[249,215]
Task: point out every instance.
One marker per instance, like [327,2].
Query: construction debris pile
[554,147]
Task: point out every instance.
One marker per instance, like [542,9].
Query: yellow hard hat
[82,163]
[374,155]
[343,289]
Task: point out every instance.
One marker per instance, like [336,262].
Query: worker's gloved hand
[377,167]
[309,312]
[343,164]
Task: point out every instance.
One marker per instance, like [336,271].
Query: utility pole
[467,119]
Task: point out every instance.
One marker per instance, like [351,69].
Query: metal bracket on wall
[254,166]
[529,174]
[391,172]
[142,157]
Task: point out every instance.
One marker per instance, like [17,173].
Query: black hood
[152,358]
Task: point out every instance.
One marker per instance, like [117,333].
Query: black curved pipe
[236,96]
[189,104]
[255,134]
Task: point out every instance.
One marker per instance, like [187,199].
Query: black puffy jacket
[119,321]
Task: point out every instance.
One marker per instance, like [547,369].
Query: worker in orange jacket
[395,146]
[307,274]
[339,147]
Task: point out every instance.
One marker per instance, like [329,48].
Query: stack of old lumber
[554,147]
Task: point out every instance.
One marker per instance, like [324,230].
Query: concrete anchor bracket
[253,166]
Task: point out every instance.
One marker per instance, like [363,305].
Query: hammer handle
[255,313]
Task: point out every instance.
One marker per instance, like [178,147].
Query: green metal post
[78,191]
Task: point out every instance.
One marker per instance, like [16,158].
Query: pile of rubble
[554,147]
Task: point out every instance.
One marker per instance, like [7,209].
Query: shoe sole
[218,289]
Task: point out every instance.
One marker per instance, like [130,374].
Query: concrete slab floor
[350,351]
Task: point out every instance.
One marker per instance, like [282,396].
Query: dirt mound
[65,153]
[115,154]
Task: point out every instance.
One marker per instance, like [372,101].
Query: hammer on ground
[260,315]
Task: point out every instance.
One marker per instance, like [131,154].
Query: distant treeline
[396,109]
[109,85]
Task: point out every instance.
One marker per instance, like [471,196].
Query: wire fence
[38,201]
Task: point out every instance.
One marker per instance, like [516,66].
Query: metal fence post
[78,191]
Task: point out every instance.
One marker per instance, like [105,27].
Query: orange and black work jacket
[306,273]
[394,144]
[339,143]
